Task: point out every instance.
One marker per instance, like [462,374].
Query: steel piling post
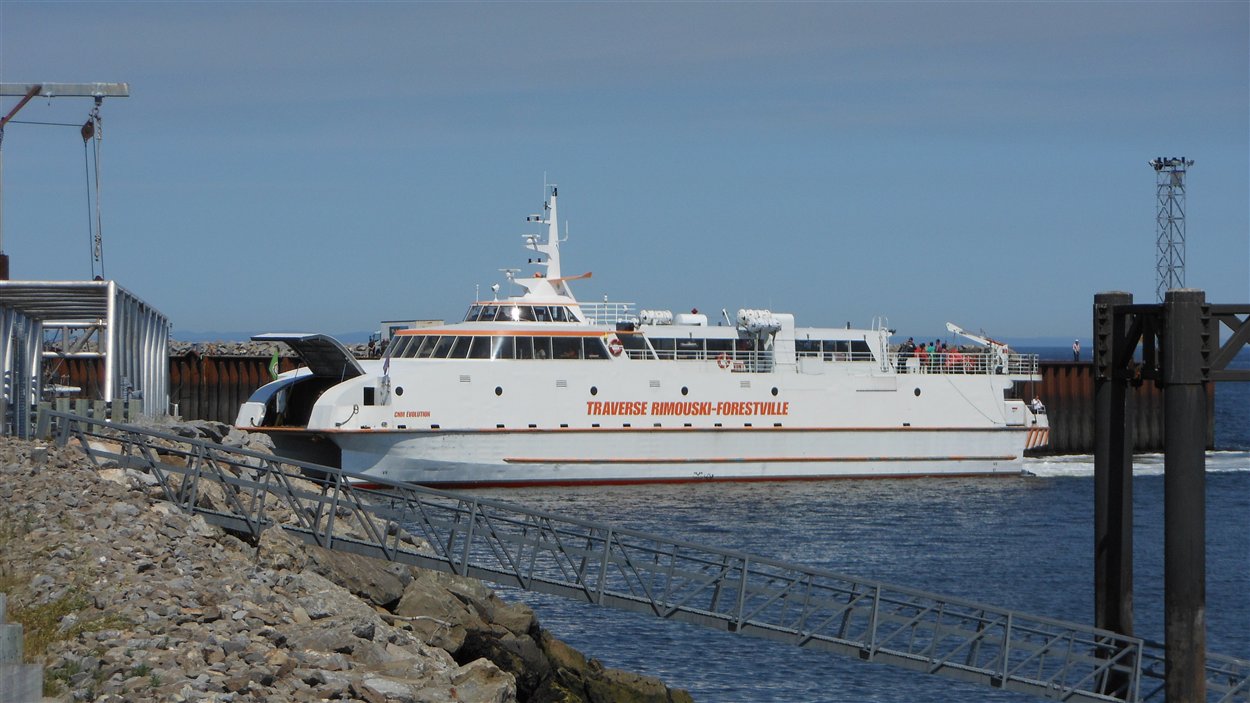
[1184,508]
[1113,469]
[1113,472]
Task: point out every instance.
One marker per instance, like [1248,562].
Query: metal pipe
[110,343]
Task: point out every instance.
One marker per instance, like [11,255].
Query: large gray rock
[377,581]
[437,615]
[519,656]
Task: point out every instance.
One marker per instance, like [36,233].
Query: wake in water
[1143,464]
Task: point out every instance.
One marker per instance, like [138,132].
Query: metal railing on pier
[631,570]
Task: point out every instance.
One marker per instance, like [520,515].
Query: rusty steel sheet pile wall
[85,373]
[212,387]
[1067,389]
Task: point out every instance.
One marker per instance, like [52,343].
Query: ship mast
[550,252]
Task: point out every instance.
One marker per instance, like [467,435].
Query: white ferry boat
[541,389]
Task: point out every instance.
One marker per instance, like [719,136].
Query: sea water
[1019,543]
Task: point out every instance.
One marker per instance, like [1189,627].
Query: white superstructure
[542,389]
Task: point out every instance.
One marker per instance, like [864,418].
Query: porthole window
[399,390]
[498,390]
[917,392]
[594,390]
[774,391]
[685,391]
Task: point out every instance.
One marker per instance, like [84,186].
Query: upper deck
[547,322]
[728,347]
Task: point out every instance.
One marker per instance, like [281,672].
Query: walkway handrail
[641,572]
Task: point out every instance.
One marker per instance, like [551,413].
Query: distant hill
[192,336]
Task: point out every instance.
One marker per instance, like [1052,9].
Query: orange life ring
[615,347]
[722,360]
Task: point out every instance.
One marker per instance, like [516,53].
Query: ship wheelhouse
[519,312]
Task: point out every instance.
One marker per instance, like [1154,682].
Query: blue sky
[324,166]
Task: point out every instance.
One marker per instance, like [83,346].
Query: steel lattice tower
[1170,223]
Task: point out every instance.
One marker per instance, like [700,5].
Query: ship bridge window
[559,313]
[635,346]
[443,349]
[488,313]
[566,348]
[594,348]
[426,350]
[475,311]
[532,348]
[480,348]
[689,348]
[542,348]
[503,347]
[461,348]
[807,347]
[665,348]
[847,350]
[507,347]
[716,346]
[523,348]
[542,313]
[399,346]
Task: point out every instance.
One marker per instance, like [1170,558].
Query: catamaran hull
[567,457]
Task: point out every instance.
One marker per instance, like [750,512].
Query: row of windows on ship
[637,346]
[519,313]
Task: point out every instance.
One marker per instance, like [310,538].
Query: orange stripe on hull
[452,485]
[741,460]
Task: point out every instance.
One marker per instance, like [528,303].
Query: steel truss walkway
[646,573]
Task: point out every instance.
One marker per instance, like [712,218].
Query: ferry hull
[568,457]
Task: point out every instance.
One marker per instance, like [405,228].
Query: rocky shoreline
[124,597]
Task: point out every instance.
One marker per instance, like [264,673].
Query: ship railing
[739,361]
[836,356]
[969,363]
[608,313]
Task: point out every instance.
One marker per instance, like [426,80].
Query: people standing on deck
[951,359]
[923,356]
[1076,350]
[905,351]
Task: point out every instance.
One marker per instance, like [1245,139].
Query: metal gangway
[645,573]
